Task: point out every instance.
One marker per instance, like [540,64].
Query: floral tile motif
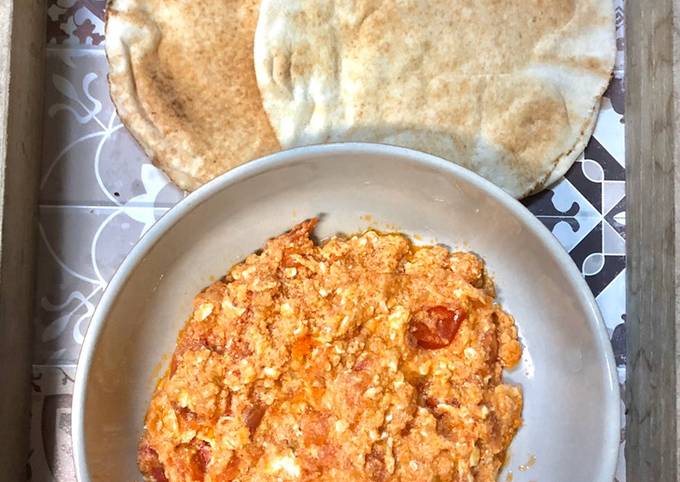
[75,22]
[79,250]
[51,453]
[89,158]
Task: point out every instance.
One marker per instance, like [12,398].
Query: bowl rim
[301,154]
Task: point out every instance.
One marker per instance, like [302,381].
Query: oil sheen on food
[360,359]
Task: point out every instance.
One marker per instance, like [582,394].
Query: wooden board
[652,240]
[22,39]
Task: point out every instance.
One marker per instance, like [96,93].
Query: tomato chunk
[253,417]
[436,327]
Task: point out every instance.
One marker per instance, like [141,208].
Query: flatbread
[182,79]
[508,91]
[565,162]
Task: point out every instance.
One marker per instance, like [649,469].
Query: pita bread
[565,162]
[508,91]
[182,78]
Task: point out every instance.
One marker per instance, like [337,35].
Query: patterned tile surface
[89,158]
[79,250]
[75,22]
[99,194]
[51,455]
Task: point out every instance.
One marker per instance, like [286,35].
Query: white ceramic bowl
[567,373]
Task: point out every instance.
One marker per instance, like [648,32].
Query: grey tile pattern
[79,250]
[98,194]
[89,157]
